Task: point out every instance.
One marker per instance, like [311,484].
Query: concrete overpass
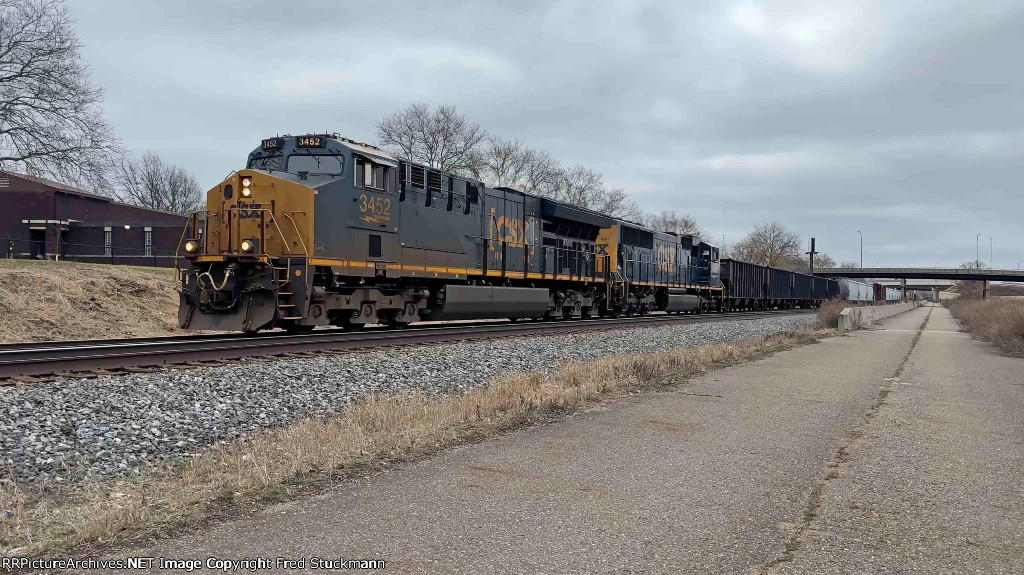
[917,276]
[954,274]
[918,284]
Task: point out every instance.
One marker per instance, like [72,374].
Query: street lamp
[977,253]
[861,249]
[990,263]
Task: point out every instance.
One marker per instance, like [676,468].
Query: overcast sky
[901,119]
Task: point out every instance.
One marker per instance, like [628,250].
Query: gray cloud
[905,121]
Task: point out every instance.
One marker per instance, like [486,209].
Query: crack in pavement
[842,457]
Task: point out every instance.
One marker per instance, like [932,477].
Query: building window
[149,241]
[107,242]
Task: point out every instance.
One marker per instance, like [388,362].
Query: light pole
[977,253]
[861,249]
[990,263]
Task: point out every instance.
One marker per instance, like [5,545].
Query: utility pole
[811,254]
[861,248]
[977,253]
[990,262]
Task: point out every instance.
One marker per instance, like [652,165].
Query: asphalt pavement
[891,450]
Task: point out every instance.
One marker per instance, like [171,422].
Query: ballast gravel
[119,425]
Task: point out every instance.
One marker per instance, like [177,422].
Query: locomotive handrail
[302,243]
[645,268]
[193,217]
[591,271]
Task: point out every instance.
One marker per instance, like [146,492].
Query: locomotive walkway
[894,449]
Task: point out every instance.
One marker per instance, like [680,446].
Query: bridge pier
[984,290]
[903,289]
[935,294]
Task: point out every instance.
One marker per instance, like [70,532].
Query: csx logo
[249,211]
[513,232]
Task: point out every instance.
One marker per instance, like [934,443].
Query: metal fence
[89,253]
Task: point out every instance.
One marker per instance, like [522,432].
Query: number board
[272,144]
[310,142]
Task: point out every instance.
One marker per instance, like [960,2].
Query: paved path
[887,451]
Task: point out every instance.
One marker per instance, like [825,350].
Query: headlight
[248,245]
[246,182]
[191,246]
[246,193]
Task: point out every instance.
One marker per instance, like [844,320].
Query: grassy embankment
[50,301]
[1000,321]
[305,457]
[828,314]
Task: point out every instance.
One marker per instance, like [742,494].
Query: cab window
[315,164]
[373,176]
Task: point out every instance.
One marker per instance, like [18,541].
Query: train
[321,230]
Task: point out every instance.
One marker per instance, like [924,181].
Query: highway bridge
[933,278]
[924,274]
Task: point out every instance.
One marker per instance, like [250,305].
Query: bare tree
[971,289]
[615,202]
[850,264]
[802,264]
[578,186]
[769,244]
[153,183]
[442,138]
[447,140]
[506,162]
[541,174]
[51,123]
[673,221]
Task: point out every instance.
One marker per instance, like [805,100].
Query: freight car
[748,286]
[318,229]
[855,291]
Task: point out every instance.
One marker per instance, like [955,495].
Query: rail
[37,359]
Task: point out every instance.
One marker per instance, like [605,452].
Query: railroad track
[26,362]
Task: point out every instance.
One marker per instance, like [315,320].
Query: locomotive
[322,230]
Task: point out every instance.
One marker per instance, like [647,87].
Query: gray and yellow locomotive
[320,230]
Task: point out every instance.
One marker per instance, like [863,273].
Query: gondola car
[748,286]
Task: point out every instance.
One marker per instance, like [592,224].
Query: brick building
[43,219]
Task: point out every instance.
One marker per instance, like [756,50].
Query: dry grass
[1000,321]
[282,463]
[828,314]
[48,301]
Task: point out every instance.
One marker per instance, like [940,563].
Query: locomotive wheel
[391,320]
[296,329]
[347,324]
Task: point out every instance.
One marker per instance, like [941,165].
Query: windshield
[322,164]
[269,162]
